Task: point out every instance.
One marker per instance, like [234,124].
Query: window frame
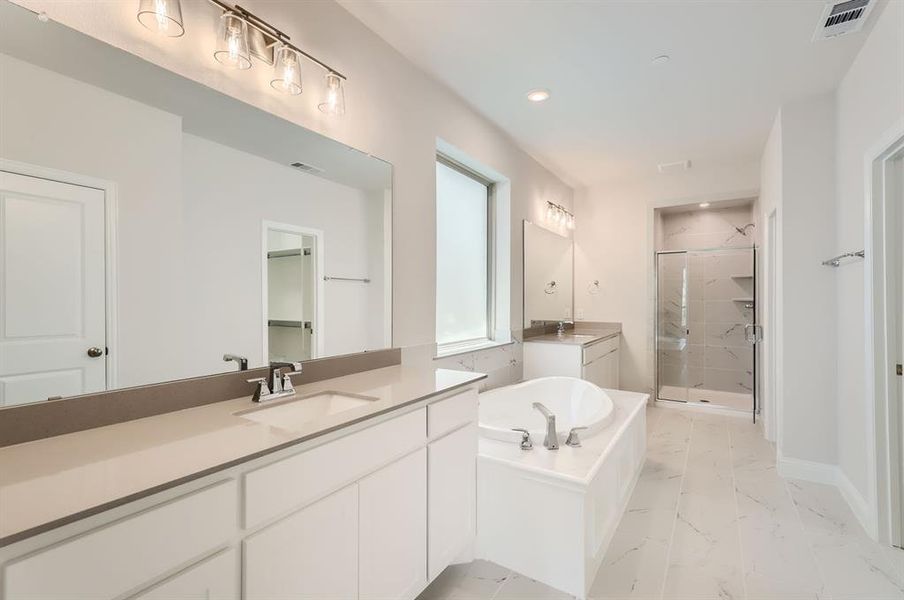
[459,346]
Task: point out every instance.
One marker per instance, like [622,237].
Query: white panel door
[452,497]
[310,555]
[52,297]
[392,542]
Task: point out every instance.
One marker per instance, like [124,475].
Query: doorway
[54,340]
[292,292]
[886,287]
[705,315]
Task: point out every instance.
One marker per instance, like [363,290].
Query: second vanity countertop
[49,482]
[579,336]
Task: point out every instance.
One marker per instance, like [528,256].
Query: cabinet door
[213,579]
[451,496]
[310,554]
[393,530]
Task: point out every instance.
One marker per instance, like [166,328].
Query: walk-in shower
[706,327]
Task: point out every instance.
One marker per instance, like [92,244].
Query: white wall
[615,241]
[808,419]
[138,147]
[225,259]
[395,111]
[870,102]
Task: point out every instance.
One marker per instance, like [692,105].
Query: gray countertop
[580,336]
[52,481]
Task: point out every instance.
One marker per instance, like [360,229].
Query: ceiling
[613,115]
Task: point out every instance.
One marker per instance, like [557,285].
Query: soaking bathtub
[550,514]
[575,402]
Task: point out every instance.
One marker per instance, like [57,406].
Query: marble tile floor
[711,519]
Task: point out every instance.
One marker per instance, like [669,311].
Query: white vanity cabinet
[392,540]
[216,578]
[372,514]
[452,496]
[310,555]
[596,362]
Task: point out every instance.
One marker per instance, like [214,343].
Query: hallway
[711,519]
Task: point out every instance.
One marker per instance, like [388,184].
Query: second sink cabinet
[596,362]
[374,512]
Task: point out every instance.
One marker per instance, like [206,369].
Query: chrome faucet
[241,361]
[560,330]
[281,384]
[551,441]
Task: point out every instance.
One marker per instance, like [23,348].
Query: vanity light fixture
[703,205]
[162,16]
[559,215]
[243,38]
[286,71]
[232,42]
[334,104]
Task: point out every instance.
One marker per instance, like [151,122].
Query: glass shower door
[672,325]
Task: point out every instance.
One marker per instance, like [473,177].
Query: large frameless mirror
[548,276]
[153,229]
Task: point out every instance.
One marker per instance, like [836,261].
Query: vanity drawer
[600,349]
[119,557]
[291,483]
[448,414]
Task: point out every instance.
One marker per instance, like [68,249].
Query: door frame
[769,290]
[111,247]
[267,226]
[882,273]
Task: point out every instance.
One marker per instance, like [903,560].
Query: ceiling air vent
[839,18]
[307,168]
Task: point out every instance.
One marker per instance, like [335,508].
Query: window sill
[468,347]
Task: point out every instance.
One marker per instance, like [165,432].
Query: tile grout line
[668,554]
[734,494]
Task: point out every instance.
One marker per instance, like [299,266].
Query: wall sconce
[559,215]
[242,36]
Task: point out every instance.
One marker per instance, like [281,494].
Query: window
[464,257]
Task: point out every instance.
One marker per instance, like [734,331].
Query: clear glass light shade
[286,71]
[570,222]
[334,104]
[232,42]
[550,212]
[161,16]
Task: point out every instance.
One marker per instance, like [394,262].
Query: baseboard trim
[816,472]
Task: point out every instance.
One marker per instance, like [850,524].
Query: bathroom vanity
[370,498]
[587,353]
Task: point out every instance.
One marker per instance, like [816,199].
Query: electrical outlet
[580,314]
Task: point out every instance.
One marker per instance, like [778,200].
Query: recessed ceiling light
[661,59]
[538,95]
[704,205]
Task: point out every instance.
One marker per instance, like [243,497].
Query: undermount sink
[296,412]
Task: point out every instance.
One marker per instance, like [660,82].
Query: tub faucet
[551,441]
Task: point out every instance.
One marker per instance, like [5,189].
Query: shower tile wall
[717,365]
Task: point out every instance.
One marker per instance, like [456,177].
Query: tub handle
[573,440]
[526,443]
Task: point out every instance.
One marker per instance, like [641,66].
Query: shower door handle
[753,333]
